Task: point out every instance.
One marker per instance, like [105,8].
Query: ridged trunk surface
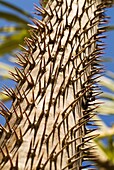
[54,100]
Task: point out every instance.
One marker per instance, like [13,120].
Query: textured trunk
[54,98]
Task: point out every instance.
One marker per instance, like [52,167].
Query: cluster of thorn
[54,100]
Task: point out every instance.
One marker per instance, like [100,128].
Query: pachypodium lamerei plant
[49,125]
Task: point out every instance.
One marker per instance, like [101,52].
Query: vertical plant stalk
[54,100]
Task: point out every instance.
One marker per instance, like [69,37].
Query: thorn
[19,140]
[42,23]
[33,26]
[28,119]
[28,43]
[40,165]
[50,157]
[4,111]
[38,24]
[15,77]
[22,59]
[59,2]
[25,96]
[20,97]
[45,40]
[58,18]
[67,8]
[19,117]
[50,27]
[25,49]
[30,125]
[49,52]
[31,81]
[42,51]
[40,10]
[31,153]
[8,157]
[20,62]
[33,35]
[51,11]
[4,129]
[17,162]
[19,74]
[4,159]
[46,12]
[10,130]
[8,92]
[54,126]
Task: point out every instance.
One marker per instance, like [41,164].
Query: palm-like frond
[14,33]
[15,8]
[105,141]
[11,35]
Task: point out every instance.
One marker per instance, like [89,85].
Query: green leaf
[12,28]
[4,70]
[110,28]
[17,9]
[6,66]
[107,95]
[12,42]
[110,74]
[107,82]
[106,152]
[12,17]
[44,2]
[106,108]
[3,97]
[4,74]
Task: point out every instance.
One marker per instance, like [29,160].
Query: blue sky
[28,6]
[110,41]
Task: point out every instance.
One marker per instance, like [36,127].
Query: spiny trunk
[54,99]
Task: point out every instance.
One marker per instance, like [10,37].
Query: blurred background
[14,17]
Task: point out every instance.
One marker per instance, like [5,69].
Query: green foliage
[15,8]
[11,35]
[44,2]
[105,141]
[14,33]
